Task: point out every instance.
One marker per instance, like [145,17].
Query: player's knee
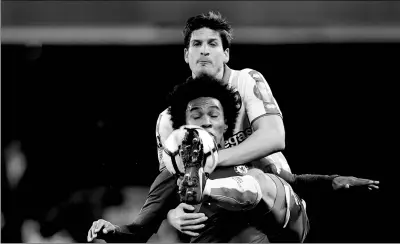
[252,194]
[267,186]
[257,174]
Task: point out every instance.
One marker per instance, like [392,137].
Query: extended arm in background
[311,182]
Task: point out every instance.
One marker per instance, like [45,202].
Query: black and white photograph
[200,121]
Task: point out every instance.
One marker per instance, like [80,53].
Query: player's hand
[345,182]
[186,222]
[101,228]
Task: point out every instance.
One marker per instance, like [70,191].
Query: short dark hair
[211,20]
[203,86]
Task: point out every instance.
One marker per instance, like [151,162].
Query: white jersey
[256,101]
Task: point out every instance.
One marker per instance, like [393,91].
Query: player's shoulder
[164,115]
[164,124]
[248,71]
[249,75]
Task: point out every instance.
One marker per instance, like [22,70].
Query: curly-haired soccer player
[278,214]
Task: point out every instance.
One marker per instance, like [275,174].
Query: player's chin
[205,70]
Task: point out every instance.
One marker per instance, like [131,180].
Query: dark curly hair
[211,20]
[203,86]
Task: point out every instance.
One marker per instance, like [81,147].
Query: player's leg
[241,192]
[281,212]
[193,159]
[234,193]
[298,225]
[289,213]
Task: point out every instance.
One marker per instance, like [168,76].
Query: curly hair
[203,86]
[211,20]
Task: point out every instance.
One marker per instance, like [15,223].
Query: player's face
[207,113]
[205,53]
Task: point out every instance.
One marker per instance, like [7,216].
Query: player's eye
[195,44]
[214,115]
[196,116]
[213,44]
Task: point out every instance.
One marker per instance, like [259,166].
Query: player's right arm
[182,219]
[161,198]
[265,118]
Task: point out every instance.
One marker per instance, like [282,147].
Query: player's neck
[226,74]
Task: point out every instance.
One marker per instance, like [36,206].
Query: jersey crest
[241,169]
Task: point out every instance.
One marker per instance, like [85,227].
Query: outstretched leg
[273,204]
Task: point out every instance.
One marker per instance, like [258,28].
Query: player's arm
[307,182]
[266,120]
[162,195]
[161,198]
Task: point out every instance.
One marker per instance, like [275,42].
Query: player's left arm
[266,119]
[341,182]
[305,182]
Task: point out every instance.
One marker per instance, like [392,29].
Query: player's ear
[226,126]
[186,55]
[226,52]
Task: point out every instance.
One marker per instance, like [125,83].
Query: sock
[234,193]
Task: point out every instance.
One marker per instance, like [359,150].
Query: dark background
[85,116]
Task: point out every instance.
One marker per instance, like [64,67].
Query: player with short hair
[259,130]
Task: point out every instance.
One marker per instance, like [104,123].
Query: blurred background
[83,83]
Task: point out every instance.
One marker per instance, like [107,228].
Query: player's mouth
[204,61]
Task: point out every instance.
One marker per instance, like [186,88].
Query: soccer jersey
[256,101]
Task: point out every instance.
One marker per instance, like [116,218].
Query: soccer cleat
[193,158]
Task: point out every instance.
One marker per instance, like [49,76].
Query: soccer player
[258,132]
[210,104]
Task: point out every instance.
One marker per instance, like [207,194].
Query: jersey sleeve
[161,198]
[163,130]
[258,98]
[304,182]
